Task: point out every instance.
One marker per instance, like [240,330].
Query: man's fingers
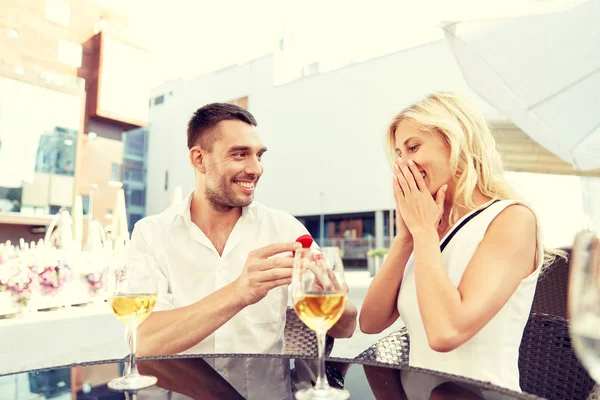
[275,262]
[275,248]
[275,274]
[278,282]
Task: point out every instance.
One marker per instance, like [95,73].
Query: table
[194,377]
[64,336]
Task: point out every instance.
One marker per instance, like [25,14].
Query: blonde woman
[465,307]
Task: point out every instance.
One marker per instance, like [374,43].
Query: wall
[325,135]
[324,132]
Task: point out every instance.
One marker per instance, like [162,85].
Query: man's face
[234,165]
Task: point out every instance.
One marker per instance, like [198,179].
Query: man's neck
[210,220]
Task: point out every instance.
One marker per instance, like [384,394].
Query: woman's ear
[197,159]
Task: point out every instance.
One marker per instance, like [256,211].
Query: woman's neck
[478,198]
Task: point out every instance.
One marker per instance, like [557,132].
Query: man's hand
[264,272]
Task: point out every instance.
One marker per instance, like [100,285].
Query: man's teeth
[247,185]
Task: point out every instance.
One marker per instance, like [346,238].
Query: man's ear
[197,159]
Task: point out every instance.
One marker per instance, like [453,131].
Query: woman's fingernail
[411,163]
[396,166]
[400,159]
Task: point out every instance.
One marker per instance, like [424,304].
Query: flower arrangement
[16,278]
[96,281]
[93,268]
[53,276]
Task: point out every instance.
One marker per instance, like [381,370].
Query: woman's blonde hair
[474,160]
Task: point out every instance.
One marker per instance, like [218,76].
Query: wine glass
[132,298]
[584,301]
[319,297]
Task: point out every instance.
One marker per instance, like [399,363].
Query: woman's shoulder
[514,223]
[512,215]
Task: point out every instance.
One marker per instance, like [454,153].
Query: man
[223,261]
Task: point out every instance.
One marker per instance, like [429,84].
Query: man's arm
[174,331]
[346,325]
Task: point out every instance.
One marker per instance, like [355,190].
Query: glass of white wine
[133,295]
[319,297]
[584,301]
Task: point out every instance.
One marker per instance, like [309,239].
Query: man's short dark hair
[205,119]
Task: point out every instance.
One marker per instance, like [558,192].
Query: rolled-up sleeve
[141,248]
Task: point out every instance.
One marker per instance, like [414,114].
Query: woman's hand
[418,209]
[402,232]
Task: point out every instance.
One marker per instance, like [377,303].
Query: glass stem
[322,383]
[132,367]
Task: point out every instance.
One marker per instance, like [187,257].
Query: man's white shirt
[188,268]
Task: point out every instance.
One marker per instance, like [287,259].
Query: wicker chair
[551,293]
[548,366]
[299,339]
[392,349]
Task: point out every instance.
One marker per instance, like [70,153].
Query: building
[325,134]
[70,85]
[135,148]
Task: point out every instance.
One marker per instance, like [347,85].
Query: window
[85,204]
[159,100]
[135,143]
[134,174]
[69,53]
[56,152]
[10,199]
[55,209]
[116,172]
[58,11]
[133,218]
[137,197]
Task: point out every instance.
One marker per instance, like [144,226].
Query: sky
[187,38]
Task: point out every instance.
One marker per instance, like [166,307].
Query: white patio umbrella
[120,231]
[78,222]
[542,72]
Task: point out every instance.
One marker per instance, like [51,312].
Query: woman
[465,307]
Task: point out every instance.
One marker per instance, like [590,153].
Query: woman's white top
[491,355]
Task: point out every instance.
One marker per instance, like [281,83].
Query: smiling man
[222,260]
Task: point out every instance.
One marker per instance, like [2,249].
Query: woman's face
[428,151]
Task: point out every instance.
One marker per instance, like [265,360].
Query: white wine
[132,308]
[320,311]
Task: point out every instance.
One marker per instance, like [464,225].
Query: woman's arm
[379,309]
[506,255]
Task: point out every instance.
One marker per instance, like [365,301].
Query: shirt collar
[183,210]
